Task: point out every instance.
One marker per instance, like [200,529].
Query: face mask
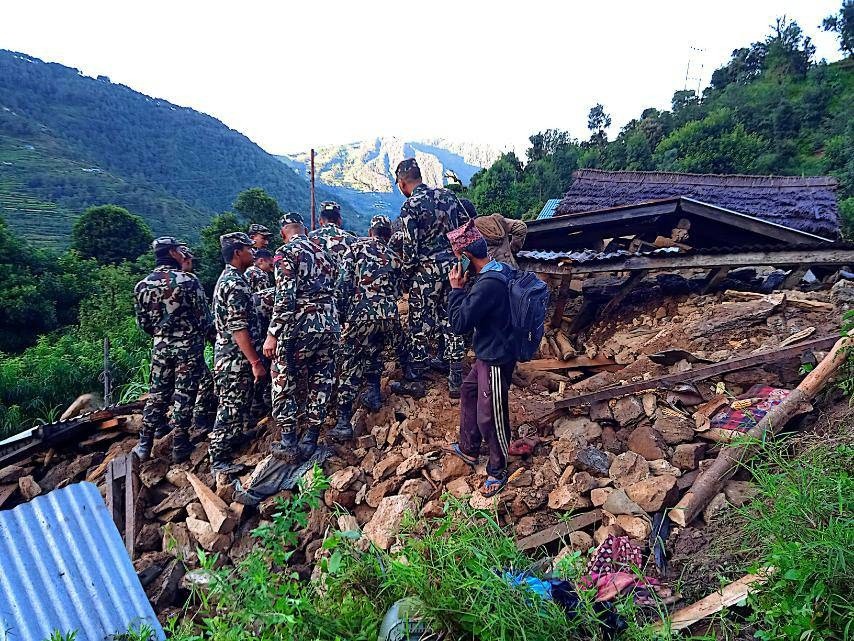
[465,262]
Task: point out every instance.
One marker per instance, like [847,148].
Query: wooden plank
[563,293]
[795,277]
[625,289]
[561,529]
[701,373]
[6,491]
[577,362]
[715,278]
[774,258]
[131,492]
[727,596]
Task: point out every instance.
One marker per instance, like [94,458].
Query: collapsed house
[680,318]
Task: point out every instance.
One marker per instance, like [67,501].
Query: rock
[148,538]
[364,513]
[662,466]
[628,468]
[348,523]
[842,295]
[715,507]
[11,473]
[566,497]
[584,482]
[604,531]
[369,461]
[153,471]
[526,526]
[6,491]
[458,488]
[627,410]
[434,509]
[610,442]
[674,430]
[618,503]
[176,540]
[577,427]
[412,464]
[654,493]
[220,519]
[687,480]
[340,498]
[416,488]
[451,468]
[385,523]
[599,495]
[524,479]
[593,460]
[379,491]
[564,451]
[177,477]
[635,527]
[566,475]
[206,537]
[739,493]
[687,456]
[644,440]
[600,412]
[164,591]
[29,488]
[366,442]
[580,541]
[344,478]
[388,465]
[650,403]
[535,499]
[479,502]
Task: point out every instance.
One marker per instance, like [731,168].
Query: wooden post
[625,289]
[560,302]
[313,219]
[715,277]
[108,381]
[122,488]
[710,482]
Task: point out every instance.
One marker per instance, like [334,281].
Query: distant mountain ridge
[68,141]
[361,172]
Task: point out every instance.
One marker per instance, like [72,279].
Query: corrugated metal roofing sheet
[63,567]
[548,209]
[590,256]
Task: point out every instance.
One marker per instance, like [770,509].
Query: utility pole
[313,221]
[108,380]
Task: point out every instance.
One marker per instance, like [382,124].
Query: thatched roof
[807,204]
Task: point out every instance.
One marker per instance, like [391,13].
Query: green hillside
[772,109]
[68,141]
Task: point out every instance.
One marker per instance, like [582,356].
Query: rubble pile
[620,461]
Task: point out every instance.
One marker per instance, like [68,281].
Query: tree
[110,234]
[546,143]
[843,25]
[208,252]
[597,122]
[788,51]
[257,206]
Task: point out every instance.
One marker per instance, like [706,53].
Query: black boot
[412,383]
[181,447]
[163,430]
[143,448]
[372,399]
[455,379]
[286,450]
[308,442]
[439,364]
[343,430]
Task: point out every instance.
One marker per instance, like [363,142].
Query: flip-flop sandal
[456,451]
[492,486]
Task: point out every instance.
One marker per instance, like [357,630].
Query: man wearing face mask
[485,309]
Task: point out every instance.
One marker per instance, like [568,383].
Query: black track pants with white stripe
[484,413]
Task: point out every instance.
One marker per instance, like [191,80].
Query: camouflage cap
[463,236]
[380,222]
[263,253]
[330,207]
[165,242]
[235,238]
[186,252]
[259,229]
[291,218]
[405,166]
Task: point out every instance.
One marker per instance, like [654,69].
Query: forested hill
[772,109]
[68,141]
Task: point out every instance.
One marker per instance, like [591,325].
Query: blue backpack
[529,299]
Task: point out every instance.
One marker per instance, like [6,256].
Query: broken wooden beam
[710,482]
[561,529]
[122,489]
[576,362]
[727,596]
[699,374]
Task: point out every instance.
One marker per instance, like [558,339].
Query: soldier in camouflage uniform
[335,241]
[302,338]
[426,216]
[260,279]
[372,270]
[171,306]
[260,275]
[260,236]
[236,362]
[204,408]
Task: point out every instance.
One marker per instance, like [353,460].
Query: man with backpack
[506,309]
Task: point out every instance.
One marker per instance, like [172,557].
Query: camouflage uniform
[426,216]
[257,278]
[260,395]
[171,306]
[306,327]
[233,311]
[372,270]
[336,242]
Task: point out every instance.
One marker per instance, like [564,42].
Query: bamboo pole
[710,482]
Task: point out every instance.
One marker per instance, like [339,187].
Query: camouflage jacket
[372,271]
[257,278]
[233,311]
[263,302]
[306,278]
[425,217]
[333,239]
[172,307]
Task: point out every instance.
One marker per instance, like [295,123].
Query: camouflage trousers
[204,410]
[232,381]
[428,315]
[260,394]
[313,365]
[174,379]
[361,353]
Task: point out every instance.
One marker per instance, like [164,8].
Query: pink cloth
[463,236]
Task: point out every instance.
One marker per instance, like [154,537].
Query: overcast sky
[295,74]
